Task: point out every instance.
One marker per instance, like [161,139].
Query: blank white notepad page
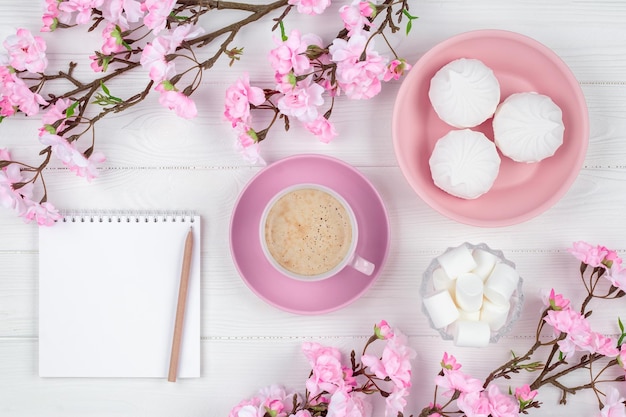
[108,290]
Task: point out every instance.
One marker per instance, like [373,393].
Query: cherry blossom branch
[152,36]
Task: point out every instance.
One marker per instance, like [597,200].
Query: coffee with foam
[308,231]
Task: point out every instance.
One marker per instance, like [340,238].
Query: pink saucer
[521,191]
[297,296]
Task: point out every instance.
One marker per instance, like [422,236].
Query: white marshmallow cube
[485,261]
[472,333]
[441,280]
[457,261]
[469,315]
[441,309]
[501,284]
[494,315]
[469,292]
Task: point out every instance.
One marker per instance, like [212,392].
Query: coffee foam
[308,231]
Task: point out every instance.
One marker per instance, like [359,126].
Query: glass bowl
[516,300]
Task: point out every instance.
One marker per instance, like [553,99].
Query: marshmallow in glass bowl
[464,93]
[472,294]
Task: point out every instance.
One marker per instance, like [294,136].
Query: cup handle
[362,265]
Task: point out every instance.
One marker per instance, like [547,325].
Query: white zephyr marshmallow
[441,309]
[472,333]
[528,127]
[464,93]
[501,284]
[457,261]
[469,292]
[485,261]
[464,163]
[494,314]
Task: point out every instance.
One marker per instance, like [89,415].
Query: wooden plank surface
[156,160]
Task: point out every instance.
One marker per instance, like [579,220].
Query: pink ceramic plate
[521,191]
[293,295]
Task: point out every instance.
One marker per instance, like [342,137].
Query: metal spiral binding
[126,216]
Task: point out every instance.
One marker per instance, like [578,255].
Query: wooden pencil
[180,308]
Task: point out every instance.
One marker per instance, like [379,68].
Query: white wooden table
[156,160]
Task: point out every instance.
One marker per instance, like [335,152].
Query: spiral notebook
[108,291]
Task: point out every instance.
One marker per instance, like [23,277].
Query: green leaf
[408,15]
[69,112]
[620,324]
[105,89]
[283,36]
[110,99]
[409,26]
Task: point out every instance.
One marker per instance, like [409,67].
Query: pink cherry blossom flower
[285,82]
[56,111]
[239,97]
[454,381]
[554,301]
[501,405]
[157,12]
[82,8]
[474,404]
[310,7]
[613,404]
[9,175]
[289,55]
[182,105]
[247,145]
[175,37]
[50,17]
[524,394]
[249,406]
[302,413]
[617,276]
[302,101]
[396,69]
[17,94]
[395,362]
[567,321]
[26,52]
[45,214]
[122,12]
[449,362]
[611,258]
[112,39]
[154,55]
[275,400]
[395,402]
[153,59]
[348,405]
[72,158]
[327,373]
[358,78]
[598,343]
[247,135]
[383,330]
[588,254]
[97,64]
[356,16]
